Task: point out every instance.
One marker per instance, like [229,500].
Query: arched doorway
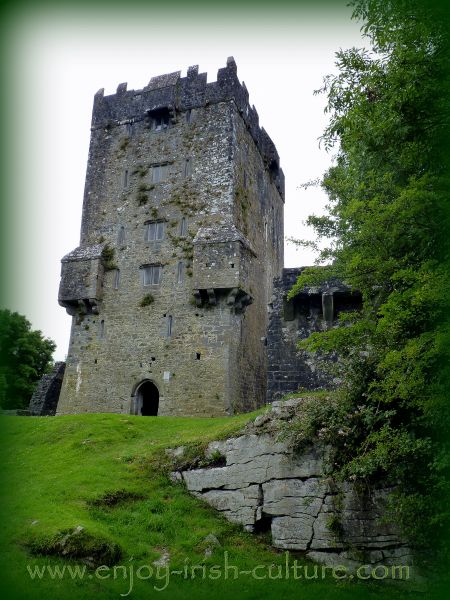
[146,399]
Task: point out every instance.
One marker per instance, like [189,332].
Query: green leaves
[24,357]
[387,230]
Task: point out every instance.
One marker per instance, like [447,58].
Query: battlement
[178,94]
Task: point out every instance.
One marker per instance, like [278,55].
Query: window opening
[180,270]
[159,119]
[116,279]
[183,227]
[154,231]
[188,167]
[151,274]
[159,173]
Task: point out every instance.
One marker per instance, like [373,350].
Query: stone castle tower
[181,239]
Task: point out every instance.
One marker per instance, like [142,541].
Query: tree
[25,355]
[388,230]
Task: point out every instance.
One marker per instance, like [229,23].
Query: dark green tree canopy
[387,227]
[25,355]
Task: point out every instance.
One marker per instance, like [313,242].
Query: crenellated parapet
[179,94]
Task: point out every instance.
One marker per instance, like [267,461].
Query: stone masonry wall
[265,485]
[315,309]
[45,398]
[199,337]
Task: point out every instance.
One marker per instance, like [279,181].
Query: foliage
[147,300]
[108,254]
[387,227]
[25,355]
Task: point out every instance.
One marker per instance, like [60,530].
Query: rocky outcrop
[265,485]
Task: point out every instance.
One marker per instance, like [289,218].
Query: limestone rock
[292,533]
[265,480]
[239,506]
[293,497]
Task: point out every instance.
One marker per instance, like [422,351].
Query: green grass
[107,474]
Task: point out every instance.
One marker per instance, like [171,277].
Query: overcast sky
[60,60]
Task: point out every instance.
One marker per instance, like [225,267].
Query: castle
[171,289]
[181,238]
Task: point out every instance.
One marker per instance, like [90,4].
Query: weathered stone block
[293,497]
[292,533]
[238,506]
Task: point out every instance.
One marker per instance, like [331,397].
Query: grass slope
[105,473]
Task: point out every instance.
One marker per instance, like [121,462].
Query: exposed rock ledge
[265,485]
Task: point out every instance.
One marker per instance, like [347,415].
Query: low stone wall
[45,398]
[265,485]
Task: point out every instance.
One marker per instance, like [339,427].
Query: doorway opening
[147,399]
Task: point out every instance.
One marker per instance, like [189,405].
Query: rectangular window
[116,279]
[151,274]
[129,128]
[159,173]
[125,179]
[154,231]
[169,325]
[159,119]
[160,122]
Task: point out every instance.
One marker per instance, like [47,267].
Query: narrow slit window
[116,279]
[197,356]
[188,167]
[125,179]
[102,329]
[188,116]
[183,227]
[273,227]
[121,235]
[151,274]
[169,325]
[154,231]
[180,272]
[129,129]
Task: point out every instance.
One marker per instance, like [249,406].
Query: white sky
[62,60]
